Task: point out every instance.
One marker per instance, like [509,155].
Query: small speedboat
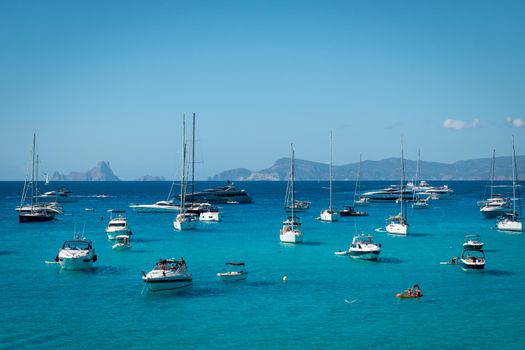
[118,225]
[205,212]
[420,203]
[297,206]
[168,274]
[473,259]
[350,211]
[236,272]
[362,201]
[362,247]
[122,243]
[473,242]
[76,254]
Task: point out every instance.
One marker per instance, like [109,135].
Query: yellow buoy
[285,278]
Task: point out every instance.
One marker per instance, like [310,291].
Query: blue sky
[110,80]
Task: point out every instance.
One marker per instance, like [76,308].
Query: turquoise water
[328,301]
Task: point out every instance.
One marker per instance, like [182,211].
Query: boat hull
[514,226]
[74,264]
[154,209]
[184,225]
[491,213]
[112,234]
[397,229]
[364,255]
[28,217]
[167,283]
[327,216]
[232,277]
[293,236]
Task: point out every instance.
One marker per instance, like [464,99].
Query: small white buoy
[285,278]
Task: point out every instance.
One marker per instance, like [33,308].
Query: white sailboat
[358,199]
[496,205]
[330,215]
[398,224]
[419,200]
[291,232]
[184,220]
[512,221]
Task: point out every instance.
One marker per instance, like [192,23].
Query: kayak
[406,296]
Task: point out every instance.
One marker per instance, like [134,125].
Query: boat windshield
[117,224]
[77,245]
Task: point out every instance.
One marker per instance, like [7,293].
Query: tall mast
[515,182]
[36,180]
[292,180]
[418,169]
[356,190]
[33,173]
[193,161]
[493,171]
[182,178]
[401,187]
[331,171]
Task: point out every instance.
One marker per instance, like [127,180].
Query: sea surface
[328,301]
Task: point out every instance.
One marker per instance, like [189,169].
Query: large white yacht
[62,195]
[159,207]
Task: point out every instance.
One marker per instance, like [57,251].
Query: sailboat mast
[401,187]
[293,180]
[182,178]
[493,173]
[33,173]
[418,169]
[193,161]
[514,180]
[331,170]
[356,190]
[36,180]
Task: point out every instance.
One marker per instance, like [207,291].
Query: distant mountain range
[386,169]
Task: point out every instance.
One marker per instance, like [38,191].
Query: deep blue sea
[328,301]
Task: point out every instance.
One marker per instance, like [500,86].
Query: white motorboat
[168,274]
[363,247]
[212,215]
[33,212]
[472,259]
[159,207]
[62,195]
[291,229]
[118,225]
[496,207]
[440,192]
[473,242]
[398,224]
[420,203]
[235,272]
[512,222]
[329,214]
[362,201]
[122,243]
[76,254]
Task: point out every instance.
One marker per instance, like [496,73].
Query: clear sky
[110,80]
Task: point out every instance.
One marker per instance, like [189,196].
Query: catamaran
[291,231]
